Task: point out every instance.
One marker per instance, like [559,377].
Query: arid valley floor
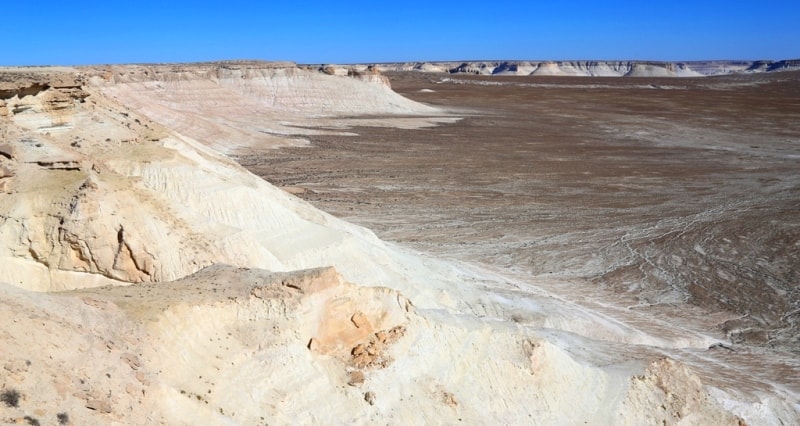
[663,190]
[261,243]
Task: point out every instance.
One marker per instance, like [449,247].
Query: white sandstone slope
[244,346]
[193,299]
[233,106]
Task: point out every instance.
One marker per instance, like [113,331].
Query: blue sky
[131,31]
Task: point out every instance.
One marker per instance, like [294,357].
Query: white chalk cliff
[147,278]
[591,68]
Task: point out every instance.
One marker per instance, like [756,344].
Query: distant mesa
[481,68]
[428,67]
[787,65]
[587,68]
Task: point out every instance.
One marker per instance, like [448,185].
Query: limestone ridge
[370,73]
[592,68]
[231,107]
[282,87]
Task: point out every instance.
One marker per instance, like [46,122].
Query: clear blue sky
[125,31]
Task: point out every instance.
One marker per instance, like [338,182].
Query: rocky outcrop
[787,65]
[7,166]
[514,68]
[678,392]
[236,345]
[772,66]
[652,70]
[473,68]
[428,67]
[557,69]
[138,362]
[45,107]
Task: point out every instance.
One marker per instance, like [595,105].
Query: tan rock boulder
[6,150]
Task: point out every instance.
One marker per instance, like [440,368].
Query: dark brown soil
[671,190]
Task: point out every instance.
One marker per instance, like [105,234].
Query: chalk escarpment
[594,68]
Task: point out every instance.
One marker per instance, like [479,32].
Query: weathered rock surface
[228,344]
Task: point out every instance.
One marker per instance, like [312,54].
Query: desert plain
[262,243]
[665,190]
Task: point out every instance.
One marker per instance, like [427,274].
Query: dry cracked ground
[653,191]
